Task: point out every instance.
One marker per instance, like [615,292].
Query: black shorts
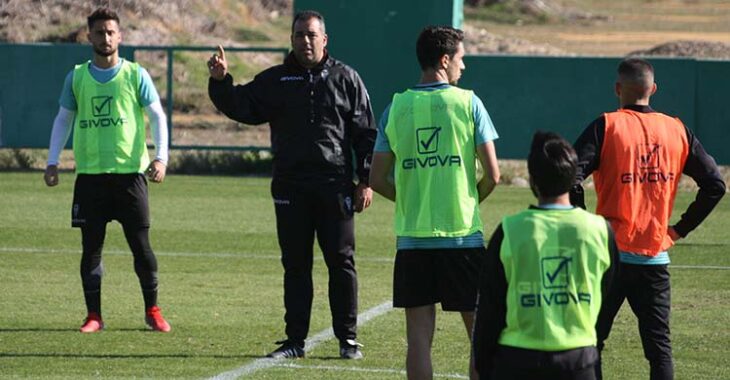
[429,276]
[100,198]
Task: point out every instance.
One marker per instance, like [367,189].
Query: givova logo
[648,166]
[101,110]
[101,105]
[649,156]
[555,271]
[427,143]
[428,140]
[556,287]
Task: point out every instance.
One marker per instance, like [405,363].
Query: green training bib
[432,136]
[109,130]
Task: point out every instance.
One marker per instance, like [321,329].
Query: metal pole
[169,95]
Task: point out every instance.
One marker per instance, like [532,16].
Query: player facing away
[636,156]
[431,137]
[545,274]
[103,101]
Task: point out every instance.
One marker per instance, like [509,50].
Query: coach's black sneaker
[288,349]
[350,349]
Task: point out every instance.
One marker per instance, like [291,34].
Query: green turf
[221,289]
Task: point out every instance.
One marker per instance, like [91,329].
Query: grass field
[221,289]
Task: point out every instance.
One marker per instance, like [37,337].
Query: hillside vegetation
[152,22]
[542,27]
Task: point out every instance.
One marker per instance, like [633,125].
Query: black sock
[93,301]
[150,298]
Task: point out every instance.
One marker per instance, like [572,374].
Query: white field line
[241,255]
[362,369]
[310,344]
[672,266]
[249,255]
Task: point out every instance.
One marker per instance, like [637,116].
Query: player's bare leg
[468,318]
[420,324]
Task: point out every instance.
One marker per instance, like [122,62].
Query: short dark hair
[552,164]
[434,42]
[306,15]
[636,70]
[101,14]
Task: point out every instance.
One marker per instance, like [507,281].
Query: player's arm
[240,103]
[380,171]
[383,161]
[588,149]
[701,167]
[491,312]
[485,134]
[150,100]
[158,125]
[488,158]
[62,126]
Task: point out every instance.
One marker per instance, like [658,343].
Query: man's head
[441,48]
[104,33]
[552,165]
[308,38]
[635,81]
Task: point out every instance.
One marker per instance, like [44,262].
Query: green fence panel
[31,80]
[525,94]
[522,94]
[713,108]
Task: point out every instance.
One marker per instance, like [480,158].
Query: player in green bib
[103,102]
[545,274]
[431,137]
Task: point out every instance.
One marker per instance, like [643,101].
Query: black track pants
[647,289]
[303,212]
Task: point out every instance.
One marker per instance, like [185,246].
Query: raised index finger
[221,53]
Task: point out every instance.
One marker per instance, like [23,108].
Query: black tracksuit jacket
[318,118]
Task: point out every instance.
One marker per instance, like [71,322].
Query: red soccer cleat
[92,324]
[154,319]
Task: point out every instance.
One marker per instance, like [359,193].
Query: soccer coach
[319,113]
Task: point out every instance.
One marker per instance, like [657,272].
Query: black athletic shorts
[100,198]
[429,276]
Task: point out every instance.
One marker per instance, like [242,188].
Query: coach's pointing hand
[217,65]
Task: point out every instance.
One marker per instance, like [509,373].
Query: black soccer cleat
[287,350]
[350,349]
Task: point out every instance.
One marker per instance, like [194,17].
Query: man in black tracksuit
[319,113]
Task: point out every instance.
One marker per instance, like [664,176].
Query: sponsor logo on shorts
[281,201]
